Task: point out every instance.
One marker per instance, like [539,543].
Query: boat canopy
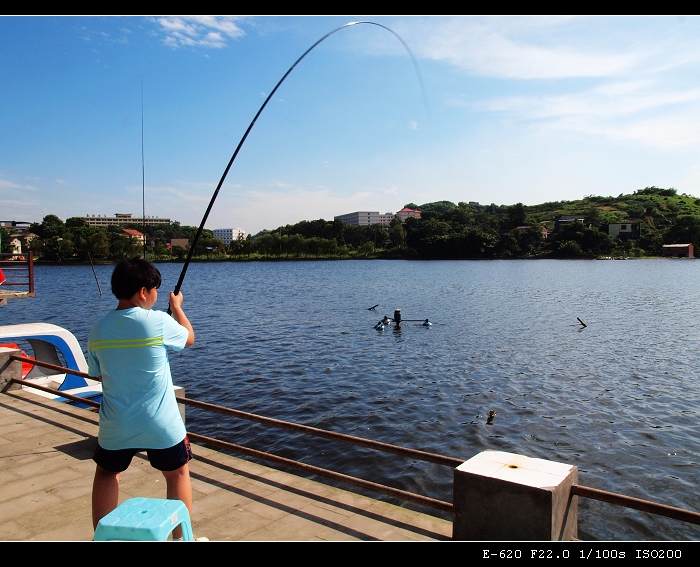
[47,341]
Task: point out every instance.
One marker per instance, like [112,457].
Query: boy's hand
[180,317]
[176,300]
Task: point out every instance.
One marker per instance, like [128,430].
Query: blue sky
[510,109]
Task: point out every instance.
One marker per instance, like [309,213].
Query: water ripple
[295,341]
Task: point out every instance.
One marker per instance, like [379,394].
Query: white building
[386,218]
[228,235]
[365,218]
[360,218]
[123,218]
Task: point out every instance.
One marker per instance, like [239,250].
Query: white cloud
[633,110]
[513,48]
[5,184]
[201,31]
[159,193]
[665,133]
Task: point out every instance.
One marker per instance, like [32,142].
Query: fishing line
[250,127]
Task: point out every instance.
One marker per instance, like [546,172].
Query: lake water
[296,341]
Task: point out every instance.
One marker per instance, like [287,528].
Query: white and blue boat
[54,345]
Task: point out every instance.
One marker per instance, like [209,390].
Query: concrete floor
[46,472]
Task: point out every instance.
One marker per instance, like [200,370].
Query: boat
[55,345]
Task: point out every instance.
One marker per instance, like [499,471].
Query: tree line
[55,241]
[445,231]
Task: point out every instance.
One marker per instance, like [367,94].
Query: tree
[397,234]
[57,249]
[53,226]
[98,245]
[515,216]
[569,249]
[295,245]
[366,250]
[266,244]
[462,216]
[179,252]
[589,241]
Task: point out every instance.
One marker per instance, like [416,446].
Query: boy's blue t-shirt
[128,349]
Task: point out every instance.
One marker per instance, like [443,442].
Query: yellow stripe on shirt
[126,343]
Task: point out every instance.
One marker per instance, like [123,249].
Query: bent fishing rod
[250,127]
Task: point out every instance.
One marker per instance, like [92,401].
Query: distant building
[365,218]
[19,235]
[360,218]
[407,213]
[134,234]
[182,242]
[123,218]
[625,230]
[678,250]
[15,226]
[386,218]
[16,245]
[567,219]
[228,235]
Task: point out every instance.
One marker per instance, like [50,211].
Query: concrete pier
[46,472]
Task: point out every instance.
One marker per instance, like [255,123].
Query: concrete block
[502,496]
[9,369]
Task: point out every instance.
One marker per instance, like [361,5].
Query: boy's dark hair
[131,275]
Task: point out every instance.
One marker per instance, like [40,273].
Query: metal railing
[18,270]
[576,490]
[636,504]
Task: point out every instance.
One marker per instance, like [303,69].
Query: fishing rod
[143,178]
[94,273]
[250,127]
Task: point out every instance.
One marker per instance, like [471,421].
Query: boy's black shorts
[169,459]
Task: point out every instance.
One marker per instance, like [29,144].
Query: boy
[139,410]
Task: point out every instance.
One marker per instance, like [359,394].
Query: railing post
[30,272]
[180,393]
[506,497]
[9,369]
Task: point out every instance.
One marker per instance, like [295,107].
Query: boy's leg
[179,488]
[105,494]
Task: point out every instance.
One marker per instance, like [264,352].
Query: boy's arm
[180,317]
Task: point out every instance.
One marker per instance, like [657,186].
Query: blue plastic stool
[145,519]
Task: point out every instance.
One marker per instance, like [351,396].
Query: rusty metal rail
[379,446]
[82,400]
[636,503]
[576,490]
[351,480]
[55,367]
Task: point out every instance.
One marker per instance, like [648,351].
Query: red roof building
[406,213]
